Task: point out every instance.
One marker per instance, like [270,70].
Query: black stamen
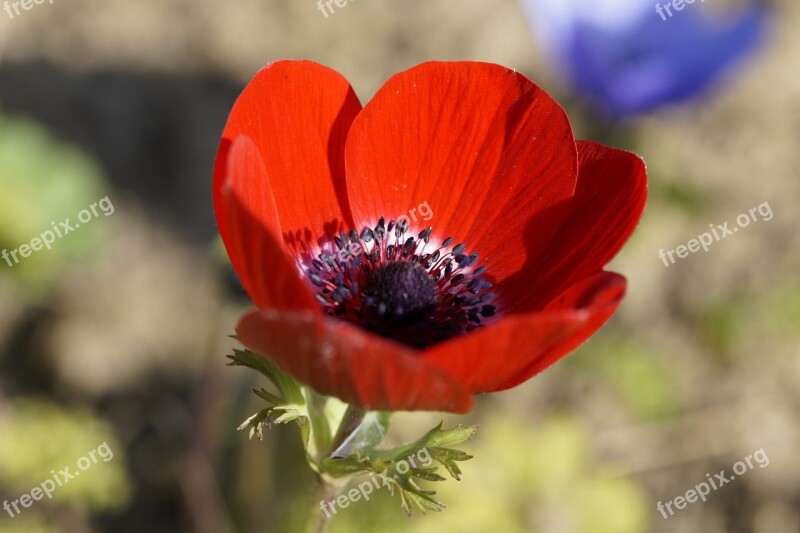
[396,290]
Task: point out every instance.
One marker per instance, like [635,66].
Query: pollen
[400,286]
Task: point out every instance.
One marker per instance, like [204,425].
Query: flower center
[393,285]
[401,292]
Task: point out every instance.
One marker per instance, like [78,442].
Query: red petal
[298,113]
[246,210]
[340,360]
[511,351]
[598,296]
[608,203]
[477,142]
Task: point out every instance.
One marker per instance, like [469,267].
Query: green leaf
[423,502]
[418,457]
[448,458]
[351,450]
[440,437]
[291,413]
[315,414]
[268,396]
[286,385]
[256,423]
[435,439]
[280,414]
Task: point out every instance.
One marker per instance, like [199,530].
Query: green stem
[319,515]
[320,425]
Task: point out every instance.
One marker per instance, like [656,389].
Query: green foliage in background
[44,181]
[637,374]
[727,327]
[25,523]
[39,437]
[719,329]
[783,306]
[524,480]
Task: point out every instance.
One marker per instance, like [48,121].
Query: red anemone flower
[444,240]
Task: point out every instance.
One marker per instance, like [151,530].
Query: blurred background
[118,334]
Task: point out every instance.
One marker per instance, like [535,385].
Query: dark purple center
[399,294]
[395,286]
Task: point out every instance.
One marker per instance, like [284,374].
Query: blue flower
[632,56]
